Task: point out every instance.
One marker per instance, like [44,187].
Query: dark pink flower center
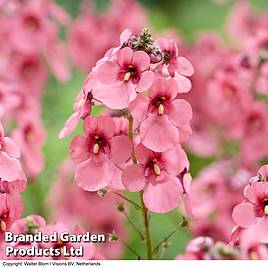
[32,22]
[130,72]
[98,144]
[159,104]
[154,166]
[167,56]
[253,253]
[28,69]
[254,121]
[262,207]
[28,133]
[3,221]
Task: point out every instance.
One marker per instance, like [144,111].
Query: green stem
[132,250]
[145,214]
[180,225]
[148,239]
[128,200]
[134,226]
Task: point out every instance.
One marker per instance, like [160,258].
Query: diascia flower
[174,65]
[255,205]
[162,116]
[10,167]
[11,209]
[81,107]
[98,153]
[156,174]
[118,80]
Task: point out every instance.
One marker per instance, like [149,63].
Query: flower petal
[107,72]
[79,149]
[143,154]
[163,197]
[124,56]
[133,178]
[69,126]
[163,87]
[120,149]
[146,81]
[140,60]
[184,84]
[180,112]
[103,125]
[158,134]
[117,96]
[139,107]
[11,147]
[93,175]
[184,66]
[10,168]
[244,215]
[176,160]
[125,35]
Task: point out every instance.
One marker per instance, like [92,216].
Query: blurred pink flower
[30,136]
[11,209]
[10,167]
[81,107]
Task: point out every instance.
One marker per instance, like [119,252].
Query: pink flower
[255,206]
[11,209]
[119,80]
[251,245]
[30,136]
[98,153]
[82,108]
[10,167]
[174,65]
[162,116]
[200,248]
[185,179]
[156,174]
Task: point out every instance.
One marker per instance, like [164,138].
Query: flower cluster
[29,43]
[230,115]
[141,82]
[229,91]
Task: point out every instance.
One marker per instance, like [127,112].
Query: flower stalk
[145,214]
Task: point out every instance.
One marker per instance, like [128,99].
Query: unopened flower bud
[102,192]
[120,207]
[155,56]
[113,237]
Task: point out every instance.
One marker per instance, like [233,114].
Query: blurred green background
[189,18]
